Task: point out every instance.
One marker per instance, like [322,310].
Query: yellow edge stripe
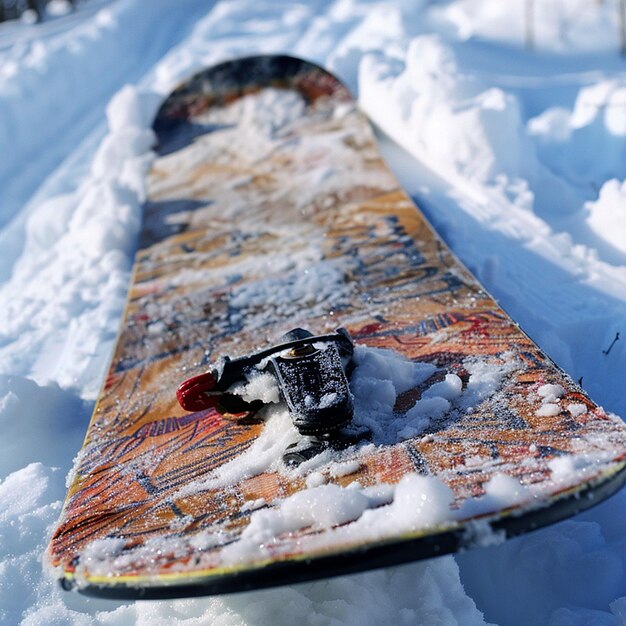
[138,579]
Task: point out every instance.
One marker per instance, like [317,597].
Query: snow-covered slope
[517,157]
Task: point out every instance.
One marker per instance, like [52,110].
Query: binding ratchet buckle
[310,372]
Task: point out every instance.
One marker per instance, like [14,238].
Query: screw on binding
[311,375]
[313,382]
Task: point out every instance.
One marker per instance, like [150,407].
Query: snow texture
[518,157]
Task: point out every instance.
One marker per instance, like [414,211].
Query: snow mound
[607,215]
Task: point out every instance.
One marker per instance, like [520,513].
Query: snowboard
[270,209]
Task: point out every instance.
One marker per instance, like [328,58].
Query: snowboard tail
[269,207]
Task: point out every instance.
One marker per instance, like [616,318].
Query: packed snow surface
[517,156]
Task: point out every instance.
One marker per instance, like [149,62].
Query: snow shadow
[177,134]
[31,420]
[160,219]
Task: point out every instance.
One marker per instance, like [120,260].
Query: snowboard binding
[311,373]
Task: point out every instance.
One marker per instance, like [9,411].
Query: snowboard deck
[269,207]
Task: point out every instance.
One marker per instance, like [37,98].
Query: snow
[261,387]
[550,400]
[518,158]
[576,409]
[378,378]
[347,514]
[607,215]
[550,393]
[548,409]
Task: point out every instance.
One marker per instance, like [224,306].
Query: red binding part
[191,394]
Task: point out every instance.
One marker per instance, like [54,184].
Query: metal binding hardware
[311,378]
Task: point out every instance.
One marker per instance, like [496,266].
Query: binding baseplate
[311,373]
